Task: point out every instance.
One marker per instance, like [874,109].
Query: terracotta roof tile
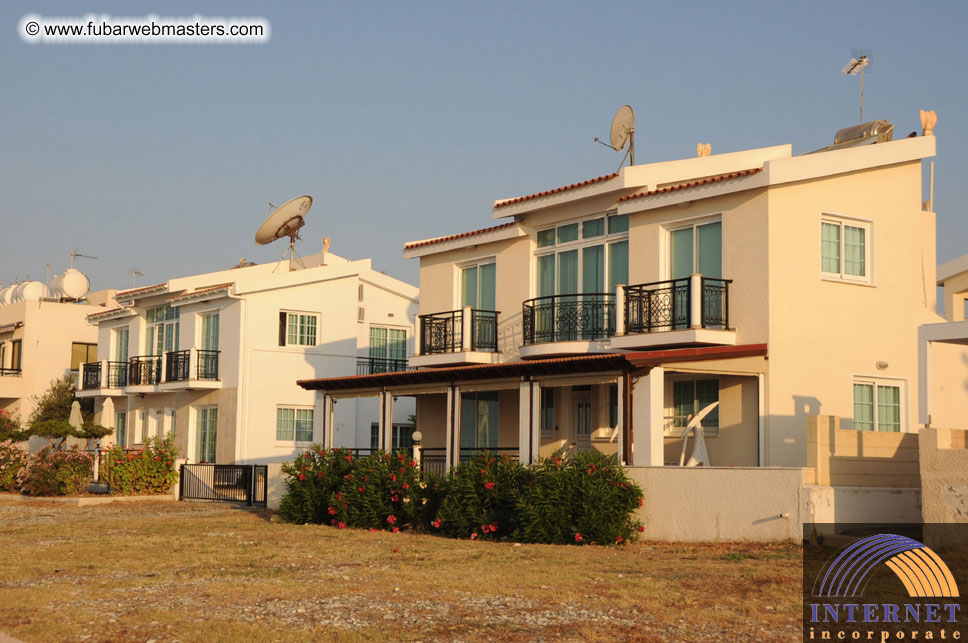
[135,291]
[565,188]
[206,289]
[106,313]
[692,184]
[473,233]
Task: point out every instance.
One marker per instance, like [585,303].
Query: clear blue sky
[406,120]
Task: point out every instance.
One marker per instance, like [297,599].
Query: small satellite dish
[285,221]
[622,133]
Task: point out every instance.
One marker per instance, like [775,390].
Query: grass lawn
[199,571]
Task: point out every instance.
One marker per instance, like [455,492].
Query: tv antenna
[622,132]
[135,273]
[75,254]
[285,221]
[858,65]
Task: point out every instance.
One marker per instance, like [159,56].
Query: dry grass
[193,571]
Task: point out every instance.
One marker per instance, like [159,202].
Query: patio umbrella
[76,421]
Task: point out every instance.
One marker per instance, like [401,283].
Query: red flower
[341,525]
[302,476]
[339,495]
[406,486]
[374,529]
[158,458]
[483,472]
[396,529]
[485,529]
[391,519]
[393,477]
[474,536]
[360,489]
[641,502]
[618,539]
[348,458]
[332,511]
[488,485]
[641,528]
[437,523]
[578,538]
[493,527]
[320,474]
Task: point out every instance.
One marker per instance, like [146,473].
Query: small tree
[10,428]
[57,431]
[50,417]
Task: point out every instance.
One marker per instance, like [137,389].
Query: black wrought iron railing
[117,374]
[231,482]
[657,306]
[434,459]
[373,365]
[144,370]
[667,305]
[484,330]
[90,376]
[442,332]
[207,364]
[176,365]
[715,302]
[566,318]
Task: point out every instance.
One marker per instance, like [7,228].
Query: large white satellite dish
[285,221]
[622,133]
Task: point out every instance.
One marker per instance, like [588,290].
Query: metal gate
[228,482]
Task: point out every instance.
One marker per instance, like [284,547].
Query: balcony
[191,368]
[175,370]
[567,324]
[677,312]
[90,376]
[144,370]
[464,336]
[374,365]
[94,382]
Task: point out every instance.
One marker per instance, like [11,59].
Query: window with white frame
[692,396]
[587,256]
[877,405]
[845,249]
[121,428]
[696,248]
[206,427]
[161,332]
[297,329]
[208,340]
[294,425]
[388,348]
[142,427]
[547,410]
[119,344]
[401,438]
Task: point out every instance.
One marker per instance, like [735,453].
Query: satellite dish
[285,221]
[623,132]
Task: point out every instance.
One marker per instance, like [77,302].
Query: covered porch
[633,406]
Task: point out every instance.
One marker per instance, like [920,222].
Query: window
[294,425]
[401,439]
[142,428]
[479,420]
[877,406]
[15,354]
[591,256]
[119,346]
[209,338]
[613,405]
[171,422]
[359,293]
[547,410]
[297,329]
[478,287]
[121,428]
[162,330]
[691,396]
[696,249]
[207,425]
[82,353]
[388,347]
[845,249]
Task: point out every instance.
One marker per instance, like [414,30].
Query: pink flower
[474,536]
[488,485]
[437,523]
[391,519]
[578,538]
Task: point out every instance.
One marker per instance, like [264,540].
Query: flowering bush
[583,498]
[56,473]
[332,487]
[481,498]
[10,429]
[12,460]
[147,471]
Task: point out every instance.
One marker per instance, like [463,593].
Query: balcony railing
[207,364]
[568,318]
[373,365]
[467,329]
[117,374]
[434,459]
[668,305]
[144,370]
[176,365]
[90,375]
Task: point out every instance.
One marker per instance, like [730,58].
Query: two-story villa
[212,358]
[604,313]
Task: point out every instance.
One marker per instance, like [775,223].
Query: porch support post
[620,310]
[452,432]
[526,427]
[193,363]
[924,377]
[386,420]
[695,301]
[620,428]
[324,409]
[163,375]
[647,419]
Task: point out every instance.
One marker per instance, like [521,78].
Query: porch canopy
[631,370]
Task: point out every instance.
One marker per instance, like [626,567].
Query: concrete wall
[944,475]
[861,458]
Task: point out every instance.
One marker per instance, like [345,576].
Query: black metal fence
[434,459]
[442,332]
[715,302]
[117,374]
[657,306]
[373,365]
[226,482]
[562,318]
[176,366]
[91,375]
[484,330]
[144,369]
[207,364]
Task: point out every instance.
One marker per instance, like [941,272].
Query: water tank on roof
[30,291]
[6,295]
[72,284]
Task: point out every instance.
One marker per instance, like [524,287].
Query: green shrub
[581,499]
[378,492]
[480,498]
[56,473]
[147,471]
[12,460]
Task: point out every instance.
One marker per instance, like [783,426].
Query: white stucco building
[214,358]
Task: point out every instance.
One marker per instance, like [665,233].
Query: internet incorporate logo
[922,572]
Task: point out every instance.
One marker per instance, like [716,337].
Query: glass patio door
[479,291]
[583,419]
[694,250]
